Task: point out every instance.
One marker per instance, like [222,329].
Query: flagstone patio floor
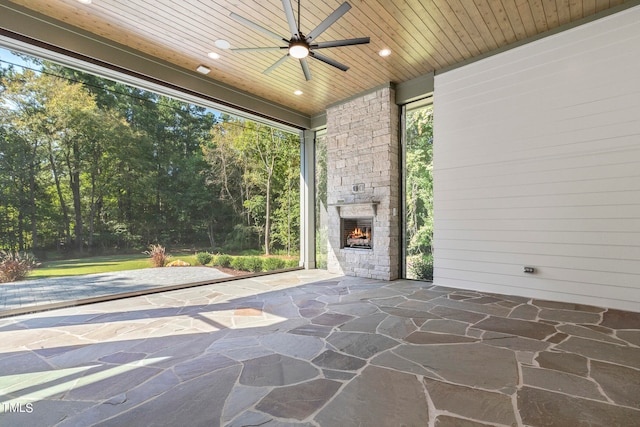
[307,348]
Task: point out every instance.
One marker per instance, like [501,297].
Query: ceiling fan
[300,46]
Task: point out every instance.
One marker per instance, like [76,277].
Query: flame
[359,234]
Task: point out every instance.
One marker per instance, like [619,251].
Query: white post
[307,200]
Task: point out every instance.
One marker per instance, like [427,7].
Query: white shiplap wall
[537,163]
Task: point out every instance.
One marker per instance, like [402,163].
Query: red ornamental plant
[15,265]
[158,255]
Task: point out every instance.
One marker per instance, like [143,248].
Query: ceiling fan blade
[328,21]
[338,43]
[257,27]
[276,64]
[291,20]
[257,49]
[305,69]
[328,61]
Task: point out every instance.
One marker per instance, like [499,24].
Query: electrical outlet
[357,188]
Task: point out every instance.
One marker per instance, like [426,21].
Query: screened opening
[99,176]
[418,190]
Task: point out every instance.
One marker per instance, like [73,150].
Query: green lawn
[101,264]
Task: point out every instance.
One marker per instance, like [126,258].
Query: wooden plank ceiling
[423,36]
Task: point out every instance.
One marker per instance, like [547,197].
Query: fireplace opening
[357,233]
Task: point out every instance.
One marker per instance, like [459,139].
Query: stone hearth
[363,182]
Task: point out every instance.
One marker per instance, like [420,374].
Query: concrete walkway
[26,294]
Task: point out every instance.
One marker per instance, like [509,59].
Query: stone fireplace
[364,194]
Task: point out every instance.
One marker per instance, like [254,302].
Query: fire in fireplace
[358,233]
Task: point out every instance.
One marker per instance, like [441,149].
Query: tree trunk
[413,223]
[32,199]
[74,183]
[212,241]
[290,190]
[95,198]
[246,195]
[92,216]
[74,179]
[63,205]
[20,231]
[267,220]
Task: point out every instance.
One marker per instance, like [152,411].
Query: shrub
[292,263]
[204,258]
[158,255]
[253,264]
[238,263]
[422,267]
[221,260]
[15,265]
[270,264]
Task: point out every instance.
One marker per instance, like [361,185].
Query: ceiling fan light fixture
[298,50]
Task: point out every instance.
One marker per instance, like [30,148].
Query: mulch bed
[232,272]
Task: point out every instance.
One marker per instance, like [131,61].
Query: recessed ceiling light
[203,70]
[384,52]
[222,44]
[85,1]
[297,92]
[213,55]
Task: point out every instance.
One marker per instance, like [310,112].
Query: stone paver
[276,370]
[390,396]
[483,405]
[308,348]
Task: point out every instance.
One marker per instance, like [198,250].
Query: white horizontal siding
[541,261]
[537,163]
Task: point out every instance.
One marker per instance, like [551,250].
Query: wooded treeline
[419,181]
[89,165]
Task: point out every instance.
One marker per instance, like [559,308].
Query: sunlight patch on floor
[11,385]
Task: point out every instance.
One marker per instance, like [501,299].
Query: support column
[307,200]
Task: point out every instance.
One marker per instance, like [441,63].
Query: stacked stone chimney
[363,162]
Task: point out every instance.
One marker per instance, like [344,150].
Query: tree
[17,187]
[22,148]
[86,162]
[266,146]
[250,162]
[286,218]
[419,181]
[66,131]
[182,199]
[224,177]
